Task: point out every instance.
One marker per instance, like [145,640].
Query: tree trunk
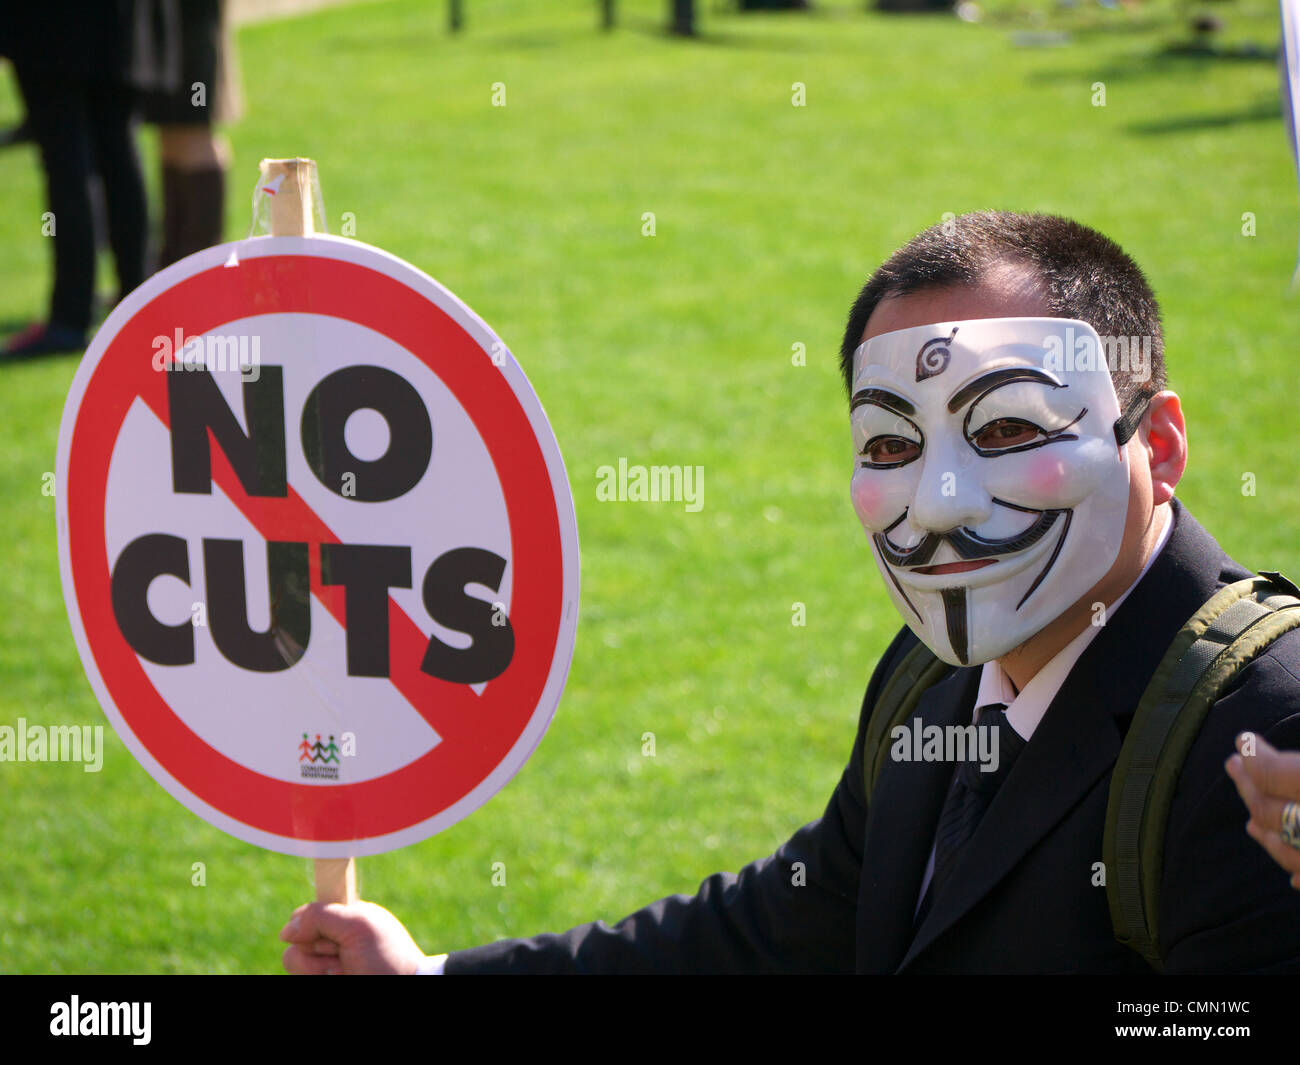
[683,18]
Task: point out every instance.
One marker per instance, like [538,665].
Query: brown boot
[194,203]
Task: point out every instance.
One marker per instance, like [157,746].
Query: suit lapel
[1075,745]
[902,815]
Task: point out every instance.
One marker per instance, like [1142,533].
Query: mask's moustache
[966,544]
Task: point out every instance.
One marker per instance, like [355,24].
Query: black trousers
[85,127]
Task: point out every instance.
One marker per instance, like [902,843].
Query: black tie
[969,797]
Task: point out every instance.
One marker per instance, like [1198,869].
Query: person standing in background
[185,54]
[75,67]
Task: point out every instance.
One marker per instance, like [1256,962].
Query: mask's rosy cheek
[1054,477]
[872,500]
[1045,477]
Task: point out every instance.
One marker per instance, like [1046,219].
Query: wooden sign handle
[289,184]
[336,880]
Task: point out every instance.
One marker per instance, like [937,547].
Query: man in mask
[1015,460]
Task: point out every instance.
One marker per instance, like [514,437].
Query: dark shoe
[40,338]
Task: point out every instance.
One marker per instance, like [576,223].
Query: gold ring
[1291,824]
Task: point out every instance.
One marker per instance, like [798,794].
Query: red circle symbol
[484,737]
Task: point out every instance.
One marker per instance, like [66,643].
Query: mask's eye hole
[1005,433]
[883,452]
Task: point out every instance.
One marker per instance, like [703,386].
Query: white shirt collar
[1026,710]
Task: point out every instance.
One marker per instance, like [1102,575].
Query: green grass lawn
[673,349]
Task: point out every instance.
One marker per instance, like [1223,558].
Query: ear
[1163,437]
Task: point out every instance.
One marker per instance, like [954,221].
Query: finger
[1246,786]
[300,963]
[320,920]
[338,922]
[290,929]
[1285,856]
[1276,772]
[1265,809]
[325,946]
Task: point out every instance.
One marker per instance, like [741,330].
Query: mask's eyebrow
[882,398]
[997,379]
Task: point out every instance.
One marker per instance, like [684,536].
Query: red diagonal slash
[439,702]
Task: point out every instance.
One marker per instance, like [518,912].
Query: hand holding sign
[359,938]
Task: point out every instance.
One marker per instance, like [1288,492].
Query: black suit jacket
[840,895]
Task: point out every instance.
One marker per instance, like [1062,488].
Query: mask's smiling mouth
[968,546]
[953,581]
[916,567]
[956,567]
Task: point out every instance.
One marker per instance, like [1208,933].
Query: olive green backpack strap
[917,671]
[1234,626]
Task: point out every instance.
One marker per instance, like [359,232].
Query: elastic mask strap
[1126,424]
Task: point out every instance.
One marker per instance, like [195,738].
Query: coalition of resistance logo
[314,759]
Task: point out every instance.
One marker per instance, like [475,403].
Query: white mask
[998,442]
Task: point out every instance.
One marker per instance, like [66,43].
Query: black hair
[1083,275]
